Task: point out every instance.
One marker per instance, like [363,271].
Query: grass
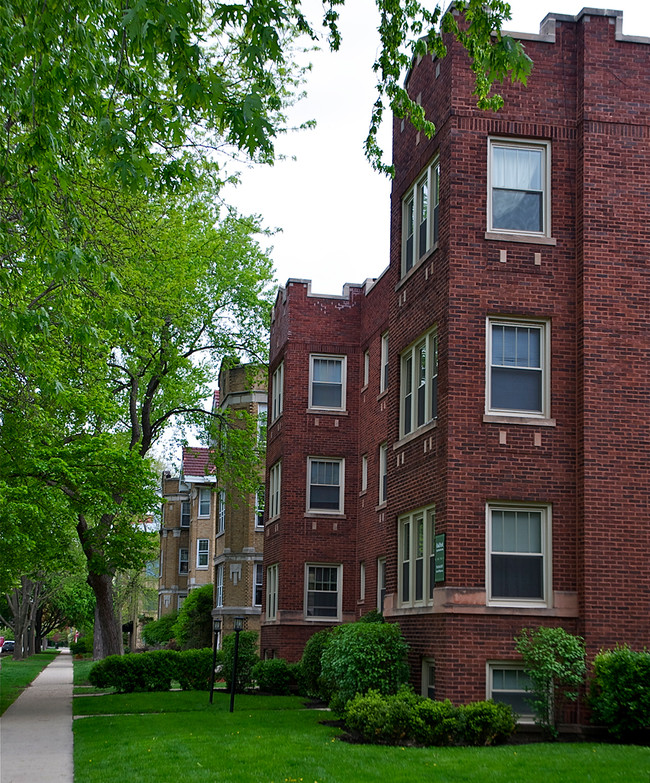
[15,676]
[270,740]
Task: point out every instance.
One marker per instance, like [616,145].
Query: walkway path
[36,730]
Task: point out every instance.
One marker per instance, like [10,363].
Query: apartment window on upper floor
[272,592]
[508,683]
[260,497]
[364,472]
[519,187]
[327,382]
[519,562]
[518,382]
[383,382]
[420,209]
[416,553]
[183,560]
[381,583]
[219,585]
[221,519]
[262,422]
[383,473]
[205,496]
[275,480]
[277,392]
[366,368]
[325,485]
[185,513]
[322,591]
[419,379]
[202,552]
[258,577]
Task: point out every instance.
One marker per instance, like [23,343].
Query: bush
[246,660]
[373,616]
[193,628]
[404,718]
[83,646]
[311,666]
[362,656]
[620,693]
[193,668]
[160,631]
[275,676]
[151,671]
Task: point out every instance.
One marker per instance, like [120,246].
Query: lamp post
[238,625]
[216,627]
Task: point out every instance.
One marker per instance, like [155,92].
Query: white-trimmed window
[277,392]
[362,581]
[262,423]
[183,560]
[420,208]
[364,472]
[428,678]
[419,383]
[518,547]
[275,479]
[185,513]
[325,479]
[518,374]
[519,187]
[202,552]
[416,553]
[381,583]
[260,497]
[383,473]
[509,683]
[322,591]
[219,585]
[258,577]
[272,592]
[383,381]
[205,496]
[366,368]
[327,376]
[221,519]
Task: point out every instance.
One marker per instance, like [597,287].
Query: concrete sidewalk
[36,731]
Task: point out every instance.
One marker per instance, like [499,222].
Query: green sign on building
[440,558]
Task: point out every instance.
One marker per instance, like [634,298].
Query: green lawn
[15,676]
[270,740]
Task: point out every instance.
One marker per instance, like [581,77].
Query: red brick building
[464,441]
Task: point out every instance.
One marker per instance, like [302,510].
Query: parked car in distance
[8,646]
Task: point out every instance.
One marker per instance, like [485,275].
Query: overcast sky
[332,208]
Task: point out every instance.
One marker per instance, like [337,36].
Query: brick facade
[561,262]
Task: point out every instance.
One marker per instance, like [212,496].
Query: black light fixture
[238,625]
[216,627]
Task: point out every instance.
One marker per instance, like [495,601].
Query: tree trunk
[108,634]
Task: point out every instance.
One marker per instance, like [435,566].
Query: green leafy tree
[160,631]
[555,662]
[193,627]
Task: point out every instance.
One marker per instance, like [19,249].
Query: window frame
[205,552]
[201,501]
[496,142]
[258,583]
[490,691]
[338,568]
[383,473]
[544,328]
[428,679]
[410,384]
[342,358]
[218,582]
[183,560]
[340,461]
[545,600]
[275,490]
[383,378]
[430,176]
[186,514]
[364,472]
[277,392]
[427,558]
[272,582]
[366,368]
[260,506]
[221,516]
[381,583]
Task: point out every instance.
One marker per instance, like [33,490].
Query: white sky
[333,209]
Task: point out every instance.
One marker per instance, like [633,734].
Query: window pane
[517,210]
[517,576]
[326,395]
[516,389]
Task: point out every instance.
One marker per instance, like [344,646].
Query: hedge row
[154,671]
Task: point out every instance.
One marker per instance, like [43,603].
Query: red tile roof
[196,461]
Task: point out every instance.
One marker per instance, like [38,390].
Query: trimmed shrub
[193,668]
[441,723]
[361,656]
[246,660]
[160,631]
[373,616]
[275,676]
[620,693]
[83,646]
[193,628]
[152,671]
[487,723]
[311,666]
